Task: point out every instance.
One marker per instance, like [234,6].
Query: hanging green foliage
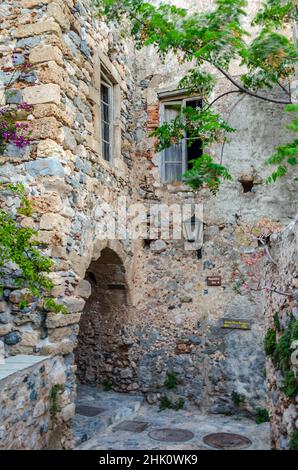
[285,156]
[18,245]
[216,38]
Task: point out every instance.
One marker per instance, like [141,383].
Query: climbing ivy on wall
[217,38]
[278,347]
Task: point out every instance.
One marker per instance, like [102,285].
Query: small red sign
[214,281]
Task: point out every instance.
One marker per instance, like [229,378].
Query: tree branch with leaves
[214,38]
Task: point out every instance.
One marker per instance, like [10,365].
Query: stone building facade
[70,52]
[138,309]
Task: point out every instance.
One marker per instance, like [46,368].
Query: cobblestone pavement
[122,409]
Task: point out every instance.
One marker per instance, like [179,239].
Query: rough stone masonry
[281,308]
[138,310]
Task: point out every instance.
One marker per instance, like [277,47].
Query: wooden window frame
[181,100]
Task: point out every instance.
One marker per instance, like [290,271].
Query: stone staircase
[97,410]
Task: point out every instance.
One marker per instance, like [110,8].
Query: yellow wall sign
[236,324]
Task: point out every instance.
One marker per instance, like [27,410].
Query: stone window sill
[14,364]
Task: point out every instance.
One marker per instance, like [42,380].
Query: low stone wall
[281,315]
[32,399]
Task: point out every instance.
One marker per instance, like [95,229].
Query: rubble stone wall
[32,399]
[281,310]
[66,177]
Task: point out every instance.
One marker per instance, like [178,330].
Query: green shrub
[18,245]
[179,405]
[107,385]
[54,399]
[237,398]
[289,386]
[171,381]
[270,342]
[276,321]
[262,415]
[165,403]
[283,351]
[52,306]
[294,440]
[294,330]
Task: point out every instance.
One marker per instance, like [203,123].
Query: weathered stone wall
[33,399]
[63,170]
[173,321]
[281,309]
[184,333]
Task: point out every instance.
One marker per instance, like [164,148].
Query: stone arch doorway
[102,353]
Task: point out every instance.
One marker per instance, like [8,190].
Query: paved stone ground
[124,407]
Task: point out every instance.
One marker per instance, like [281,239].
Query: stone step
[113,408]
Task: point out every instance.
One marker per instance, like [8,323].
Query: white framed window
[175,160]
[105,93]
[106,118]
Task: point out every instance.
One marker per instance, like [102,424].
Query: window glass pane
[106,120]
[172,111]
[196,104]
[193,146]
[173,153]
[106,132]
[172,156]
[173,172]
[194,149]
[106,151]
[105,113]
[105,93]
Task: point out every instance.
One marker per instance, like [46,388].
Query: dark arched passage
[103,344]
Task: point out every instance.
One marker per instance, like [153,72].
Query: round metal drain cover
[171,435]
[225,440]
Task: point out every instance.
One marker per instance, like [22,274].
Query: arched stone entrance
[102,354]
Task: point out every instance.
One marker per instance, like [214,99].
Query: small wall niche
[247,183]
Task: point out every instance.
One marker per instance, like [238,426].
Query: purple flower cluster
[25,107]
[12,131]
[19,137]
